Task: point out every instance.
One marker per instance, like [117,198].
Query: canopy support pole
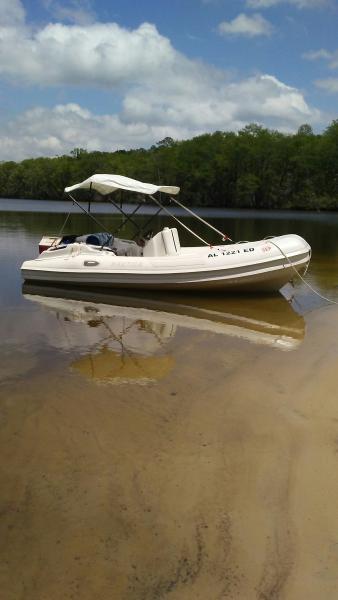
[224,236]
[90,215]
[178,221]
[90,196]
[141,229]
[127,217]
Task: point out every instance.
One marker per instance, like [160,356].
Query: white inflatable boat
[161,262]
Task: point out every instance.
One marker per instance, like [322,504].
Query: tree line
[254,168]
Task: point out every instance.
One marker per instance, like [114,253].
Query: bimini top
[106,184]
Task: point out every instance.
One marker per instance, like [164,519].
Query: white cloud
[330,57]
[329,85]
[296,3]
[150,114]
[317,54]
[244,25]
[333,64]
[12,13]
[96,54]
[215,104]
[267,100]
[49,132]
[163,92]
[75,11]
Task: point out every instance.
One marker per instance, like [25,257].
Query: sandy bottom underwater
[213,476]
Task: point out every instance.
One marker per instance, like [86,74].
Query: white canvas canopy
[106,184]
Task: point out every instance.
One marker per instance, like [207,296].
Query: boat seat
[126,247]
[164,243]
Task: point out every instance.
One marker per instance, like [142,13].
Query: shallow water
[168,446]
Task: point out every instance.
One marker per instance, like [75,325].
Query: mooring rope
[300,276]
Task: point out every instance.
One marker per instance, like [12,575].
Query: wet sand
[217,480]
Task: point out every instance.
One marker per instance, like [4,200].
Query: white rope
[300,276]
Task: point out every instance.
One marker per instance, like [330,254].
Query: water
[168,446]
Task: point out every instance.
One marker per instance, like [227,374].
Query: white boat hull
[264,265]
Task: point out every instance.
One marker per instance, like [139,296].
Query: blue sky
[107,75]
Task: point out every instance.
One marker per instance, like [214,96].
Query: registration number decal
[229,252]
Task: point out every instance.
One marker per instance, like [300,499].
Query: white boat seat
[126,247]
[164,243]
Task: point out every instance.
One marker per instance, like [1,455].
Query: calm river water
[181,447]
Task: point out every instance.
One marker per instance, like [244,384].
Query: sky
[120,74]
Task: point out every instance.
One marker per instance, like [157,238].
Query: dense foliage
[256,168]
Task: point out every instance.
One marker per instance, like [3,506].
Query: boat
[159,261]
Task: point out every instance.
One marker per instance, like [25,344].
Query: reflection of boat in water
[109,365]
[114,344]
[268,321]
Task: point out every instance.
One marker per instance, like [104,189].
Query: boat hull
[264,266]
